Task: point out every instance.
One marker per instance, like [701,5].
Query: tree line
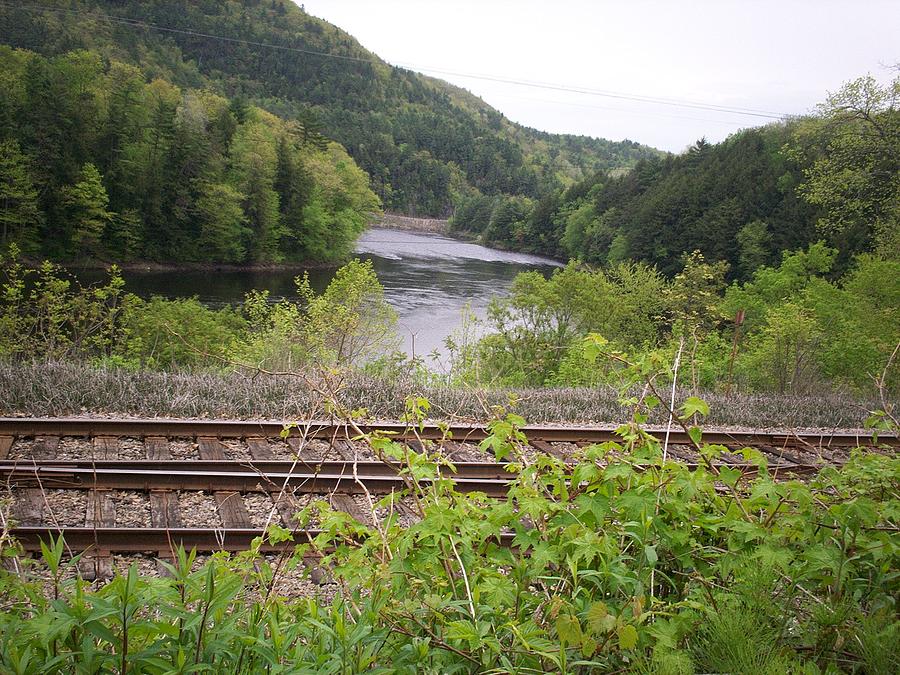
[99,161]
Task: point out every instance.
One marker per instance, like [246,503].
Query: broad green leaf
[596,616]
[569,629]
[696,434]
[627,636]
[694,406]
[729,476]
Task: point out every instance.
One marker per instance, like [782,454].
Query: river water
[428,279]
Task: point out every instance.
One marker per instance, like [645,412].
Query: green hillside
[665,207]
[423,142]
[98,164]
[743,201]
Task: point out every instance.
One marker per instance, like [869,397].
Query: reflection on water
[427,278]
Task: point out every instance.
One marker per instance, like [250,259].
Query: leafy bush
[47,314]
[347,323]
[167,334]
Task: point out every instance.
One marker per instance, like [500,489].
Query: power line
[609,94]
[654,100]
[643,113]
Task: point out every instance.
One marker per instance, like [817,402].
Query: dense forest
[96,162]
[424,143]
[744,201]
[665,207]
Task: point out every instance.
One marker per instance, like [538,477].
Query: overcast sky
[777,56]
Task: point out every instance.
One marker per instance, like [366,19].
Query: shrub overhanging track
[160,475]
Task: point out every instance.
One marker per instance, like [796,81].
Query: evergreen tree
[253,157]
[87,208]
[222,228]
[19,211]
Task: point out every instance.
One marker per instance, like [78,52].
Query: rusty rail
[238,476]
[14,426]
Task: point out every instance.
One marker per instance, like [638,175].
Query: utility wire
[655,100]
[609,94]
[642,113]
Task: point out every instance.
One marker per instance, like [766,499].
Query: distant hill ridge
[425,143]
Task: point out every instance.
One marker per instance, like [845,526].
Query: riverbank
[392,221]
[395,221]
[152,266]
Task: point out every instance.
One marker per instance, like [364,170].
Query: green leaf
[627,637]
[729,476]
[693,406]
[569,629]
[462,630]
[650,554]
[618,470]
[596,616]
[696,434]
[588,647]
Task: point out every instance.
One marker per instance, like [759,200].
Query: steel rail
[105,540]
[183,476]
[13,426]
[272,475]
[486,470]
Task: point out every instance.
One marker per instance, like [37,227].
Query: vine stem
[665,451]
[671,406]
[465,578]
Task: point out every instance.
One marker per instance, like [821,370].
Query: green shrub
[45,314]
[348,323]
[167,334]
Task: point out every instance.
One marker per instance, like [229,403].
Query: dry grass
[62,389]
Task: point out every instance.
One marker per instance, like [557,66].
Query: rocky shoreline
[408,223]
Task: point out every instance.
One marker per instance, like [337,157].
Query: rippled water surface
[427,278]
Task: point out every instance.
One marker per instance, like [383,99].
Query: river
[428,279]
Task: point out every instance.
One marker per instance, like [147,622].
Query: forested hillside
[96,162]
[665,207]
[423,142]
[763,191]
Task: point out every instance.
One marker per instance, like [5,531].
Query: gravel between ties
[199,509]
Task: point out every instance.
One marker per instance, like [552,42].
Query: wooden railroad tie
[6,443]
[302,450]
[347,504]
[549,449]
[210,449]
[164,513]
[157,448]
[45,447]
[106,447]
[259,449]
[30,508]
[344,449]
[100,511]
[232,509]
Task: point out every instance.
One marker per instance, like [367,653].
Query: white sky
[781,56]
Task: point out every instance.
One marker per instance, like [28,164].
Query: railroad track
[99,470]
